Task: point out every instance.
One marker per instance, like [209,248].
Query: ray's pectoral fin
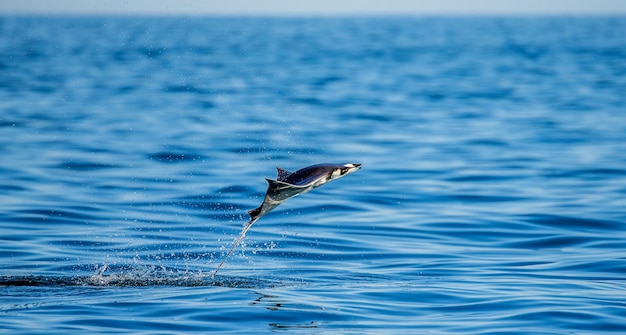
[281,191]
[277,185]
[267,205]
[277,192]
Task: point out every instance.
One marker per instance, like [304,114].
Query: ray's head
[345,169]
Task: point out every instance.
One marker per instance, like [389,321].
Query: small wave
[572,223]
[85,166]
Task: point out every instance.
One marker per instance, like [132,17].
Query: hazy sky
[316,7]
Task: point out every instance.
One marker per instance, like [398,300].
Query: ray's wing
[281,191]
[277,185]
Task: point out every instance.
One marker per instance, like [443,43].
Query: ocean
[491,199]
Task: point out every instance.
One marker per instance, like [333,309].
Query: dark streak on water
[492,197]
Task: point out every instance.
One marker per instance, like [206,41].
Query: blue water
[492,197]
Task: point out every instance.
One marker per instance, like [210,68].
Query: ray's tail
[239,239]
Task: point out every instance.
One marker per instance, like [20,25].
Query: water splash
[137,276]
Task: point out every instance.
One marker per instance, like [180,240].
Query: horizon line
[313,14]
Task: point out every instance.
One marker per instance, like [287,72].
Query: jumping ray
[289,185]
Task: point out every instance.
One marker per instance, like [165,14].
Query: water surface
[492,197]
